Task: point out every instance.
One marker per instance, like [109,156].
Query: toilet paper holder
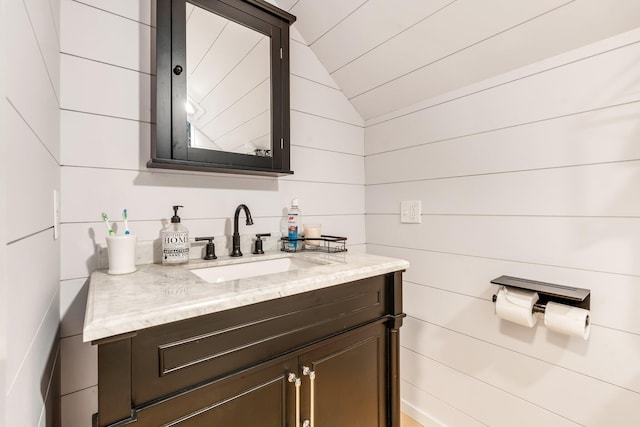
[568,295]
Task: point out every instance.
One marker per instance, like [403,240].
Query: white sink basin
[223,273]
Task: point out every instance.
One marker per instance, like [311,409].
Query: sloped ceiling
[389,54]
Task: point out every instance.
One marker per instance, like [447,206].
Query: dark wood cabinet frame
[160,373]
[169,148]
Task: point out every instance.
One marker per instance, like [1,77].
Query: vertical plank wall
[107,79]
[31,168]
[536,174]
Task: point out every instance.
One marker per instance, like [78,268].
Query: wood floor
[407,421]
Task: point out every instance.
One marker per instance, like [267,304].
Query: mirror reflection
[228,85]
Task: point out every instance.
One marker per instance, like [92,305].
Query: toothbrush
[125,216]
[106,222]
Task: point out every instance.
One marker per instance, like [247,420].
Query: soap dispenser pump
[175,241]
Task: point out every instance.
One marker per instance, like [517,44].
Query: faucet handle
[258,249]
[210,252]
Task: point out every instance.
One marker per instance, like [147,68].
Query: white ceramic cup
[312,231]
[122,254]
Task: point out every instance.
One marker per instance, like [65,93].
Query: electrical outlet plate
[410,212]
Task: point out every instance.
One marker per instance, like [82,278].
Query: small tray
[320,244]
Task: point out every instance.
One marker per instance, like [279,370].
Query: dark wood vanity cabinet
[239,367]
[258,396]
[350,380]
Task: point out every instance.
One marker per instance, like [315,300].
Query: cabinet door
[260,396]
[350,384]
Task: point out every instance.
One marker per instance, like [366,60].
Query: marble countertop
[157,294]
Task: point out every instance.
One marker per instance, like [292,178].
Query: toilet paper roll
[516,306]
[567,319]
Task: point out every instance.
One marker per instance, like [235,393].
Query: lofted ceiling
[389,54]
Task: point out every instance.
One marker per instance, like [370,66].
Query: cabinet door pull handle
[292,378]
[312,378]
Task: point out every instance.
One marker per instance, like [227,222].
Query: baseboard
[418,415]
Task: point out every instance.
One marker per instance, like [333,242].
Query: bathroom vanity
[315,344]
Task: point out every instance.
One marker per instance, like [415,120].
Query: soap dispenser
[175,241]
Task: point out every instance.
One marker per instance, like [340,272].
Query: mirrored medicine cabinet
[222,87]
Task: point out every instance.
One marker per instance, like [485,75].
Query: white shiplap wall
[31,168]
[3,232]
[382,52]
[534,173]
[106,73]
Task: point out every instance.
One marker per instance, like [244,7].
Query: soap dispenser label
[175,247]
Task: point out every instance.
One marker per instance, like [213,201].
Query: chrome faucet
[236,236]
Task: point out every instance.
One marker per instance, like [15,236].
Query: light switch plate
[410,212]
